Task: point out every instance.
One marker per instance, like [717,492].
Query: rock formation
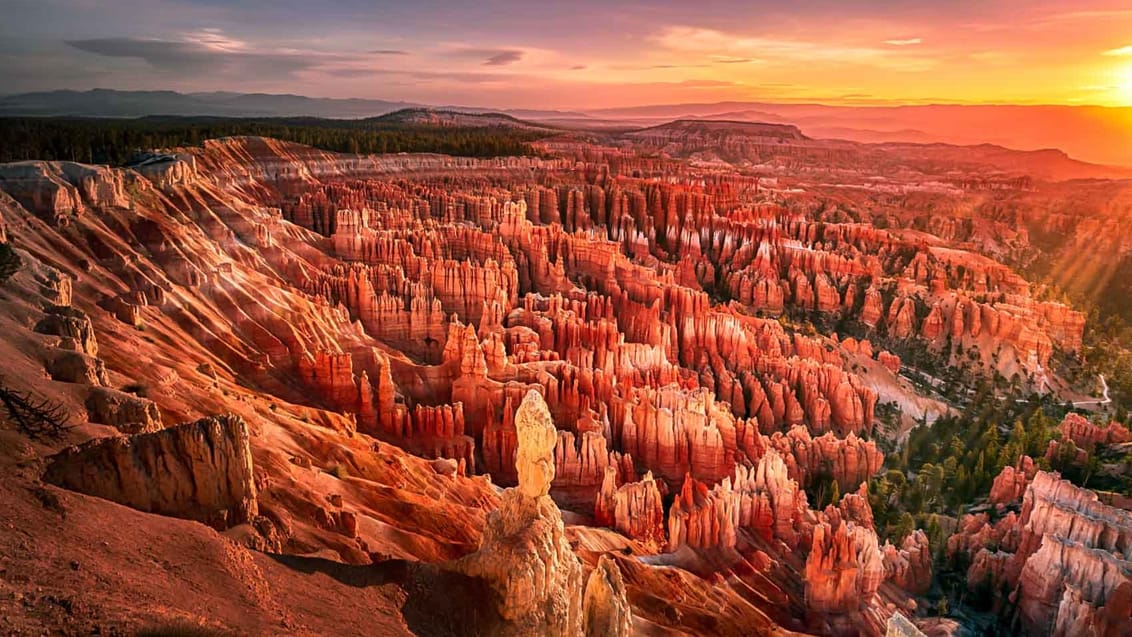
[845,566]
[605,609]
[128,413]
[1066,560]
[1010,484]
[524,555]
[635,509]
[910,566]
[360,305]
[200,470]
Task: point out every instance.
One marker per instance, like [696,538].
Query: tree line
[115,141]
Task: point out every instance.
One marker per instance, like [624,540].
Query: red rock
[850,460]
[845,567]
[910,566]
[873,310]
[1086,434]
[212,483]
[890,361]
[634,509]
[1070,557]
[1010,484]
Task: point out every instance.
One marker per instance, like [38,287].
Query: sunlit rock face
[524,555]
[1065,560]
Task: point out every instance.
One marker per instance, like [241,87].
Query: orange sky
[583,53]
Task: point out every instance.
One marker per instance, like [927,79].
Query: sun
[1123,87]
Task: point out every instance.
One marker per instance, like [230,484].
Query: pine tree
[905,524]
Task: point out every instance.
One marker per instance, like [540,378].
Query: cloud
[490,57]
[578,67]
[719,44]
[504,58]
[463,77]
[699,83]
[906,42]
[214,40]
[387,52]
[1122,51]
[651,67]
[352,72]
[725,59]
[207,51]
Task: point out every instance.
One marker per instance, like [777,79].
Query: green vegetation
[1108,351]
[945,466]
[115,141]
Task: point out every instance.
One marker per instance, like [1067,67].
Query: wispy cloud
[1120,52]
[905,42]
[489,57]
[734,46]
[208,51]
[727,59]
[388,52]
[504,58]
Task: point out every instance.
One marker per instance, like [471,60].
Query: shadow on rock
[438,603]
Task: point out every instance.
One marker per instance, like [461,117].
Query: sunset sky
[510,53]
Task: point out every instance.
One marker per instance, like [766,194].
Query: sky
[581,54]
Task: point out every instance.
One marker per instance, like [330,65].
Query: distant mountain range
[113,103]
[1091,133]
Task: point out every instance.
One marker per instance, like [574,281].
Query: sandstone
[1070,555]
[200,470]
[844,568]
[421,298]
[910,566]
[524,554]
[605,608]
[1010,484]
[634,508]
[68,322]
[71,366]
[1086,434]
[128,413]
[900,626]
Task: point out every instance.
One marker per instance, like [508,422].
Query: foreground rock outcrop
[200,470]
[525,556]
[605,608]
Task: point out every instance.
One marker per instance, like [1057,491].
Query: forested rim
[115,141]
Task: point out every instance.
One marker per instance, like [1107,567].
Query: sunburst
[1124,85]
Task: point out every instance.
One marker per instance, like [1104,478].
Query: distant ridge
[1101,135]
[731,127]
[113,103]
[453,118]
[102,102]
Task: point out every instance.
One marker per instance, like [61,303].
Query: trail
[1106,399]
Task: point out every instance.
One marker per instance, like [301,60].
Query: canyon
[603,390]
